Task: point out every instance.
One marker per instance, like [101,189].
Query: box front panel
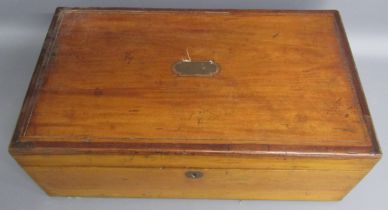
[212,183]
[196,176]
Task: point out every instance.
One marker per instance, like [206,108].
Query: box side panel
[214,184]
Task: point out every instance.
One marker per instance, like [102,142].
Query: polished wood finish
[286,162]
[215,184]
[285,107]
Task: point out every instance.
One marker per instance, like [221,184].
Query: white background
[23,26]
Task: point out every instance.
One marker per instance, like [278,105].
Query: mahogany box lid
[281,82]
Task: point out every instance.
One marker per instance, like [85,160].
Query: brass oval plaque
[196,68]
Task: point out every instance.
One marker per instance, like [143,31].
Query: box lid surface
[286,82]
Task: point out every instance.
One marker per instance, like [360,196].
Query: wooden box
[218,104]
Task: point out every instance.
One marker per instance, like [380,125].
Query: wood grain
[284,118]
[283,80]
[197,161]
[215,183]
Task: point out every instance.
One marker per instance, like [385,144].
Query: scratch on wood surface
[188,58]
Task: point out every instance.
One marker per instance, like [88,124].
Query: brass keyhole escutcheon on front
[196,68]
[194,174]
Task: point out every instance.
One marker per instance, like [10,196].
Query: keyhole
[194,174]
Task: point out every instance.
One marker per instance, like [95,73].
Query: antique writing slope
[226,104]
